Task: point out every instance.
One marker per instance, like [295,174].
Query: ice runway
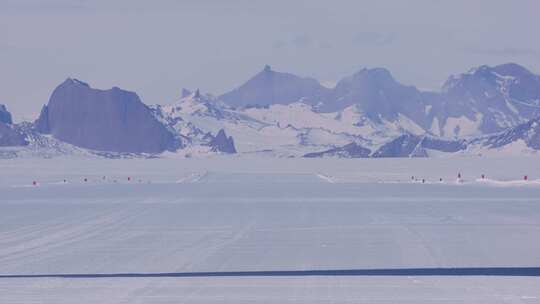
[267,231]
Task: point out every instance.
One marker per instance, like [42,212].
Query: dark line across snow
[460,271]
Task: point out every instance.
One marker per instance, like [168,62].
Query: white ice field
[237,230]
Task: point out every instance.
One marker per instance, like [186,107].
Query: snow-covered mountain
[284,130]
[482,101]
[368,114]
[489,99]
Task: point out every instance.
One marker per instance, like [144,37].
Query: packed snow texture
[259,226]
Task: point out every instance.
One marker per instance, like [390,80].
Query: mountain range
[368,114]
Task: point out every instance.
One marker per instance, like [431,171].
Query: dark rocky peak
[222,143]
[111,120]
[5,116]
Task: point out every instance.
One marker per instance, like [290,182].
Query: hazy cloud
[42,5]
[373,38]
[301,41]
[505,52]
[298,41]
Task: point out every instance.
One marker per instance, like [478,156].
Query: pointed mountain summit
[269,87]
[380,97]
[185,93]
[107,120]
[384,101]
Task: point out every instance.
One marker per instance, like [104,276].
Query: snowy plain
[266,230]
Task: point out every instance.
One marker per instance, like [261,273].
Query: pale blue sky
[157,47]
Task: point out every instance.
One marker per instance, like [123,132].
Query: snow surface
[462,126]
[258,226]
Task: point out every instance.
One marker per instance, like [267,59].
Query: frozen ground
[237,230]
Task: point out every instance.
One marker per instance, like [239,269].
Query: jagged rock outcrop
[222,143]
[352,150]
[10,135]
[107,120]
[5,116]
[270,87]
